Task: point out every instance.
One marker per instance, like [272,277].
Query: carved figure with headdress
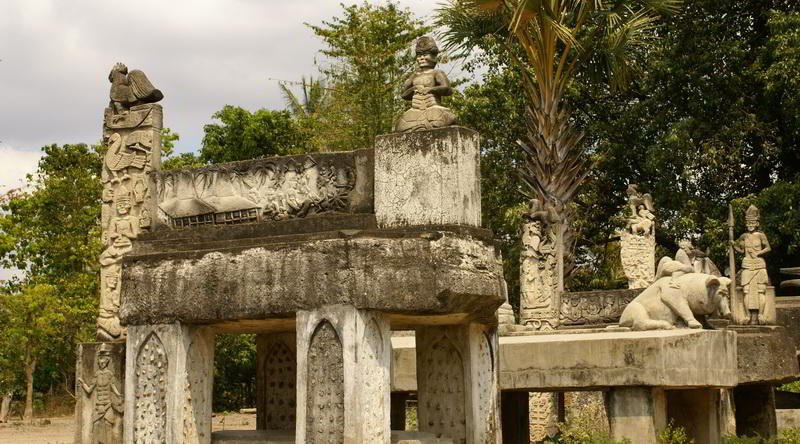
[108,399]
[754,278]
[424,89]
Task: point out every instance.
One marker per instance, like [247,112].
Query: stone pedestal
[428,178]
[168,384]
[698,412]
[515,417]
[755,410]
[636,413]
[99,388]
[343,381]
[457,378]
[276,381]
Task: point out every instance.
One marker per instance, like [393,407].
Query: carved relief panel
[150,391]
[277,373]
[267,189]
[133,141]
[325,396]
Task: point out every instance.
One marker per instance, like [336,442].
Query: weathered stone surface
[593,308]
[168,382]
[270,189]
[431,271]
[428,177]
[343,391]
[458,394]
[636,413]
[788,315]
[99,390]
[766,355]
[285,437]
[674,358]
[787,418]
[755,410]
[276,379]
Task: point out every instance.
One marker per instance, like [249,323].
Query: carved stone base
[343,380]
[168,381]
[457,380]
[543,415]
[100,380]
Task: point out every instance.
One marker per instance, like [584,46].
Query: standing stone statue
[424,89]
[638,241]
[754,279]
[107,415]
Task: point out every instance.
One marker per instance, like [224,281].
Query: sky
[55,56]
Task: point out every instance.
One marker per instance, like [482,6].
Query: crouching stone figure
[676,299]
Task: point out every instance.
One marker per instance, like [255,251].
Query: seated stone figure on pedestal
[424,89]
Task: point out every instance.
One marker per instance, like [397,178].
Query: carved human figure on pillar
[424,89]
[754,279]
[637,241]
[538,273]
[108,410]
[129,89]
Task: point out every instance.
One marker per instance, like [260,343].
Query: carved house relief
[275,189]
[325,402]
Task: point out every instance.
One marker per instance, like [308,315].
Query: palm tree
[314,95]
[551,42]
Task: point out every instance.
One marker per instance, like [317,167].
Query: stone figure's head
[426,52]
[123,205]
[751,218]
[119,71]
[685,244]
[103,355]
[632,189]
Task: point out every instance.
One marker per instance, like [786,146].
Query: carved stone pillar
[276,381]
[543,408]
[343,380]
[129,198]
[539,276]
[99,388]
[457,381]
[636,413]
[168,384]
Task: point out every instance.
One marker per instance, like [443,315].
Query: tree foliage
[367,56]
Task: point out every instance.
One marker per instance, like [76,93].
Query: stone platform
[596,360]
[284,437]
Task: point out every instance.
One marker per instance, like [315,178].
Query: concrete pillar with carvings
[343,380]
[168,384]
[457,382]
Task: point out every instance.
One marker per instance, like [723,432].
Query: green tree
[51,234]
[368,55]
[314,95]
[242,135]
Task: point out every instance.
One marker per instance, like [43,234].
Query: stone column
[133,139]
[276,379]
[99,388]
[168,384]
[457,380]
[755,410]
[515,417]
[343,380]
[698,412]
[636,413]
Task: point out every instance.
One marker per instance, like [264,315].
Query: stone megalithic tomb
[323,256]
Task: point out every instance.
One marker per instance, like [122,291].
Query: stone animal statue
[129,89]
[677,298]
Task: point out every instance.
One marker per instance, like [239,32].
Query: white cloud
[203,54]
[14,165]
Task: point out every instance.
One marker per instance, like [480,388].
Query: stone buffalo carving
[676,299]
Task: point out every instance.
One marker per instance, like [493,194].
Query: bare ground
[62,430]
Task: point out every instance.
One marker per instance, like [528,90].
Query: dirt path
[62,430]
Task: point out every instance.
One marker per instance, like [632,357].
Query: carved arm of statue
[86,387]
[767,248]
